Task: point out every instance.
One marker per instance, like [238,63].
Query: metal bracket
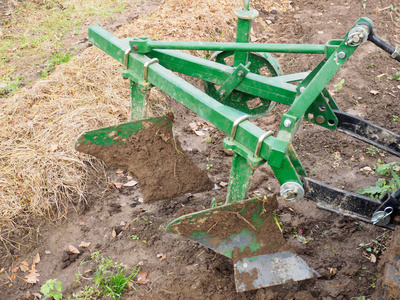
[259,142]
[396,52]
[146,65]
[235,125]
[126,58]
[233,81]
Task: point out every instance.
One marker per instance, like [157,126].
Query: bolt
[320,119]
[135,48]
[302,89]
[240,73]
[245,265]
[341,55]
[287,123]
[222,93]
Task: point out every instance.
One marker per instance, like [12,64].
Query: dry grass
[40,172]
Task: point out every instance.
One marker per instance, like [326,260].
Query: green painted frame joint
[233,81]
[140,45]
[243,151]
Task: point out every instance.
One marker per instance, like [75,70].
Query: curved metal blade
[254,250]
[368,132]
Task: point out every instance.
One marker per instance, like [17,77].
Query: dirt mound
[156,159]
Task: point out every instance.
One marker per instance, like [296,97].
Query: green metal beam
[145,45]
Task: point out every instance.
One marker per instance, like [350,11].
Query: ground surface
[119,224]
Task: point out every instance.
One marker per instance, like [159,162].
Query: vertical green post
[245,16]
[239,179]
[138,101]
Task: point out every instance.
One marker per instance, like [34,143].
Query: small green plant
[110,277]
[52,288]
[361,297]
[209,164]
[55,60]
[339,86]
[208,140]
[382,186]
[324,233]
[134,237]
[298,235]
[393,8]
[278,223]
[372,150]
[395,77]
[395,118]
[10,86]
[86,294]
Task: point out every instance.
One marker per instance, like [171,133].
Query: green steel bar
[239,179]
[242,36]
[212,46]
[220,115]
[138,101]
[271,88]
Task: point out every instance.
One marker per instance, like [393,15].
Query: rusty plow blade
[248,233]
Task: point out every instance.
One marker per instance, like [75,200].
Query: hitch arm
[393,51]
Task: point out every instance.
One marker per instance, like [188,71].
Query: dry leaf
[73,249]
[120,173]
[161,256]
[53,147]
[223,184]
[374,92]
[88,271]
[373,258]
[199,132]
[333,271]
[13,277]
[129,177]
[15,269]
[193,126]
[142,277]
[114,233]
[84,244]
[24,267]
[118,185]
[36,259]
[28,295]
[2,270]
[37,295]
[32,277]
[131,183]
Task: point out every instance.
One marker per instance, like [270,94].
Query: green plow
[243,81]
[246,232]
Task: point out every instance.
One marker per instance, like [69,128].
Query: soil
[158,162]
[345,252]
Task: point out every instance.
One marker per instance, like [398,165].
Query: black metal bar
[383,44]
[340,201]
[368,132]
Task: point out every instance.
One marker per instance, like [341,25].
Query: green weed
[11,86]
[339,86]
[52,288]
[372,150]
[395,77]
[55,60]
[382,186]
[111,278]
[209,164]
